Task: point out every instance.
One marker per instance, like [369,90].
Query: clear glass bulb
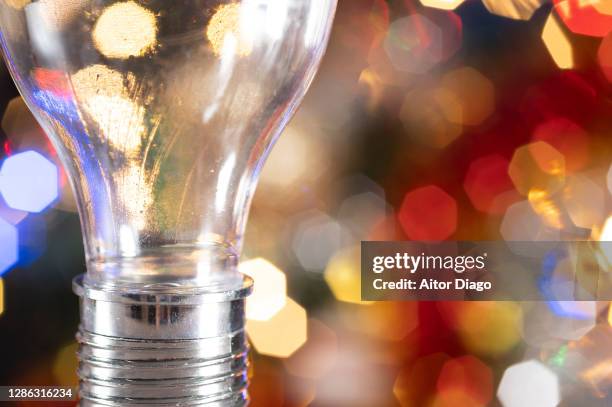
[163,113]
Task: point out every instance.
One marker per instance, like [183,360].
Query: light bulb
[163,113]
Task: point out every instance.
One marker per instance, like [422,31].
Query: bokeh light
[466,96]
[571,140]
[464,381]
[514,9]
[604,56]
[28,181]
[529,383]
[416,43]
[317,237]
[428,119]
[9,249]
[125,29]
[343,275]
[318,355]
[585,201]
[488,185]
[522,223]
[281,335]
[225,30]
[415,382]
[486,328]
[442,4]
[269,289]
[428,213]
[539,166]
[593,18]
[557,43]
[65,366]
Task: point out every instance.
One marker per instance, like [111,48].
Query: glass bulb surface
[163,114]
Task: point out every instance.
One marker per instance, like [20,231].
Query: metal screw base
[162,349]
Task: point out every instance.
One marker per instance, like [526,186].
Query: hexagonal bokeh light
[592,18]
[442,4]
[537,166]
[269,291]
[281,335]
[558,45]
[514,9]
[488,185]
[428,213]
[9,249]
[28,181]
[529,383]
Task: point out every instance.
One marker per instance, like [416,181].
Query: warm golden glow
[545,207]
[343,277]
[224,30]
[269,292]
[557,43]
[104,93]
[442,4]
[281,335]
[514,9]
[125,30]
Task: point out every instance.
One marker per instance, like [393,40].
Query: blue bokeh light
[32,239]
[9,251]
[28,181]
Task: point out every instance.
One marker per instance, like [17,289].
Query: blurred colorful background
[429,120]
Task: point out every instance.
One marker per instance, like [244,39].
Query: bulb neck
[162,348]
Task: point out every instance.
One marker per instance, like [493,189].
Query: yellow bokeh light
[1,296]
[224,30]
[610,314]
[343,276]
[281,335]
[373,83]
[387,320]
[125,30]
[269,289]
[421,109]
[545,207]
[489,328]
[557,43]
[466,97]
[65,366]
[537,166]
[104,93]
[514,9]
[442,4]
[603,6]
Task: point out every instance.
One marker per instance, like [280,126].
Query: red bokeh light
[585,18]
[428,213]
[467,376]
[488,185]
[604,56]
[568,138]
